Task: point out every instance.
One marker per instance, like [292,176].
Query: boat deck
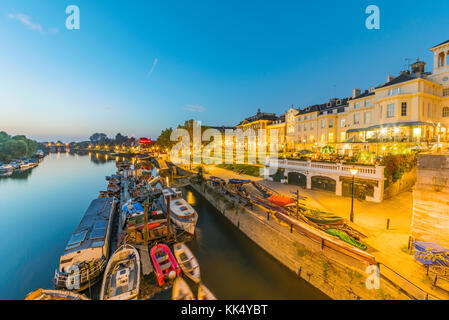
[147,267]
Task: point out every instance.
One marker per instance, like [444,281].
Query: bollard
[388,224]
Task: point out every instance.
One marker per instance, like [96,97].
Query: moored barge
[87,251]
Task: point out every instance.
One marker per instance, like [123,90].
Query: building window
[331,137]
[445,92]
[331,123]
[404,109]
[445,112]
[305,127]
[312,125]
[367,117]
[299,128]
[356,118]
[429,111]
[343,136]
[356,105]
[390,110]
[343,123]
[393,92]
[323,124]
[367,103]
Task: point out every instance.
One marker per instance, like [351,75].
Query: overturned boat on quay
[181,212]
[86,254]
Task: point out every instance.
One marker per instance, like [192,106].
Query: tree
[4,136]
[98,137]
[327,150]
[119,138]
[163,141]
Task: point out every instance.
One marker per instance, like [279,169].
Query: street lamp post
[353,172]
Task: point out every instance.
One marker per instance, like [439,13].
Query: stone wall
[431,200]
[406,183]
[337,275]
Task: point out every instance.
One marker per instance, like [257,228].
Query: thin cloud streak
[194,108]
[153,67]
[26,20]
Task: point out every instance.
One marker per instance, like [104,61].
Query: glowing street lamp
[353,172]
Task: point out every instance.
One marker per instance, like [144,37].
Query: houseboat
[87,251]
[6,168]
[181,212]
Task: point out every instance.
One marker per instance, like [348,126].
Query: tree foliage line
[16,147]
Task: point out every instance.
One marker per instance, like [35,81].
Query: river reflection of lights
[191,198]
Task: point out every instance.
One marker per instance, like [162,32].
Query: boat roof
[170,191]
[93,228]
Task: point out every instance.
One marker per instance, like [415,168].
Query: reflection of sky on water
[40,208]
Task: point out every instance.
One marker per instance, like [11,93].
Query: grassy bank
[247,169]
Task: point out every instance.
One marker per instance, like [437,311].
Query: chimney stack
[356,92]
[418,67]
[389,78]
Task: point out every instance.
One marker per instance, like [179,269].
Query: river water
[41,207]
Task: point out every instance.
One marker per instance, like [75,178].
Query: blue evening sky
[137,67]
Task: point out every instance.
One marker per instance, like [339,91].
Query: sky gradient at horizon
[137,67]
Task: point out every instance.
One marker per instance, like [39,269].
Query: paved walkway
[387,246]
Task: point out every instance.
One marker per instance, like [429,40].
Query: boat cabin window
[97,244]
[183,208]
[97,234]
[102,224]
[76,239]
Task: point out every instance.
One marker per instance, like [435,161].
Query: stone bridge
[333,177]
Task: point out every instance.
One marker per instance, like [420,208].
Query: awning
[394,124]
[354,140]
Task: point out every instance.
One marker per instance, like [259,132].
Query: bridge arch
[297,179]
[324,183]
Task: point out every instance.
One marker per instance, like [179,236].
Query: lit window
[390,110]
[343,136]
[445,92]
[445,112]
[416,132]
[331,137]
[404,109]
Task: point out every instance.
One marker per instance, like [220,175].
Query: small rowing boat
[187,261]
[181,290]
[121,279]
[47,294]
[204,293]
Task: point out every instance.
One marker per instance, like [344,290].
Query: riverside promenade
[389,247]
